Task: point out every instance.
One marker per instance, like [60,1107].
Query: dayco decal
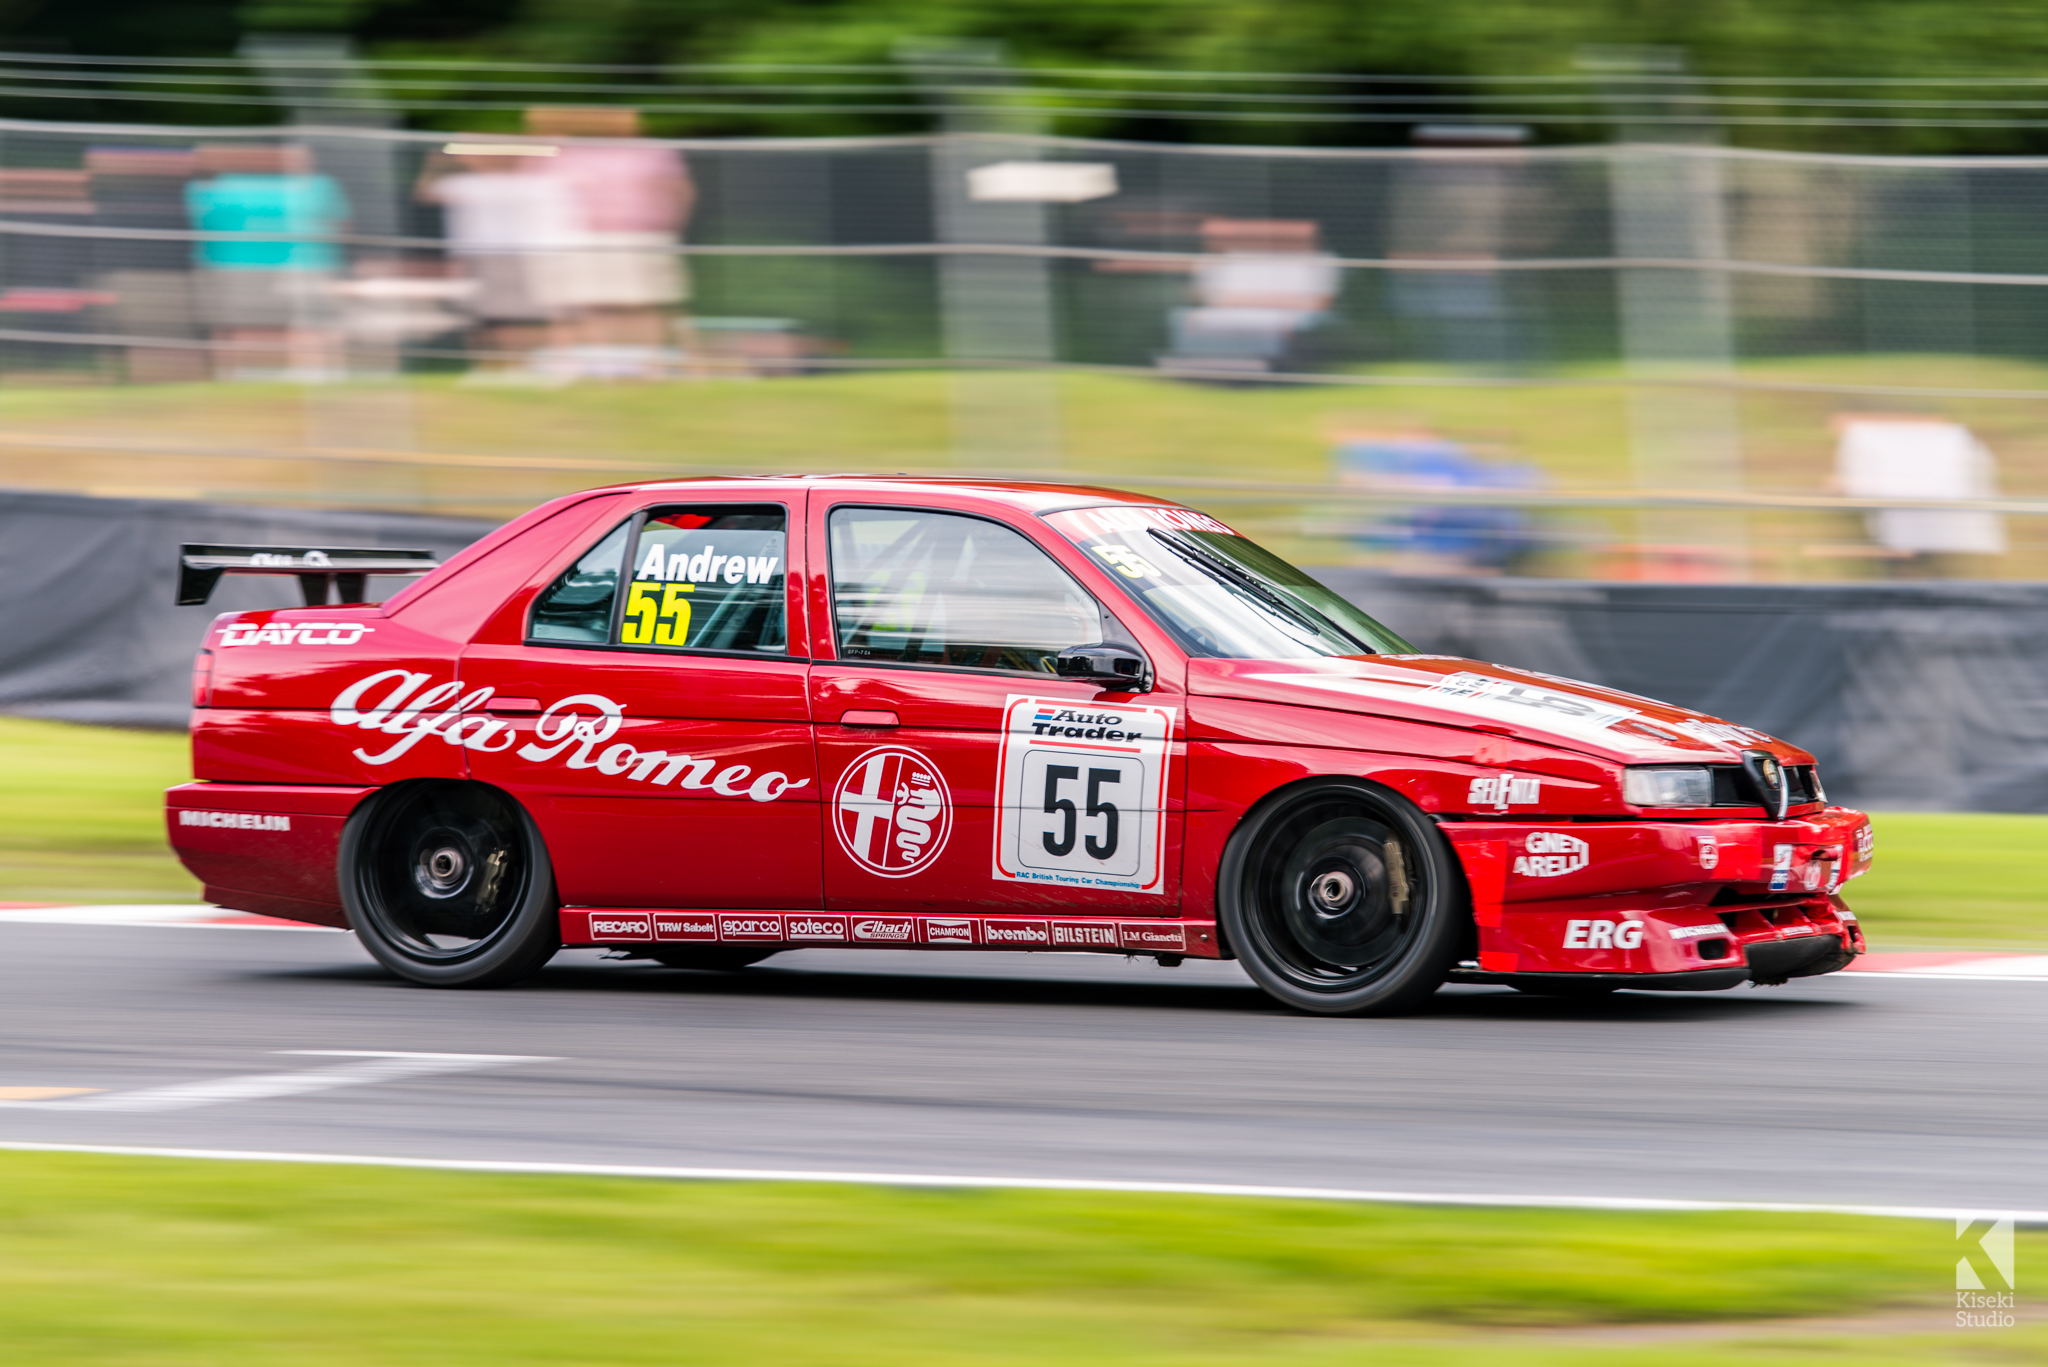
[1551,853]
[1603,934]
[577,725]
[238,821]
[891,811]
[294,633]
[1504,791]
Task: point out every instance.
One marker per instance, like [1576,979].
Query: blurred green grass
[128,1262]
[81,820]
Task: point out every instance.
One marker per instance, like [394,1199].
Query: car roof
[1025,496]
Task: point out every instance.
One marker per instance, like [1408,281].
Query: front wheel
[449,885]
[1342,899]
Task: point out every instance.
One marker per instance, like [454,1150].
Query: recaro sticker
[892,812]
[1083,794]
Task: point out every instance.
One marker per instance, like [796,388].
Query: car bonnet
[1470,694]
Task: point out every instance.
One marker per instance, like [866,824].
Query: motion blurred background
[1697,351]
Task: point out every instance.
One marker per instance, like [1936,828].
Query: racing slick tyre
[1340,898]
[449,885]
[710,960]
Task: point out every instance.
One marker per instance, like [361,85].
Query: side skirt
[606,926]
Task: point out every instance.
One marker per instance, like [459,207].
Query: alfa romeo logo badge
[891,811]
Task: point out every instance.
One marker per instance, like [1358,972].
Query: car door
[661,732]
[959,773]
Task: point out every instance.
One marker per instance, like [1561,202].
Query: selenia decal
[1083,794]
[892,812]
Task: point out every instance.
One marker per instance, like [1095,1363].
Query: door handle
[868,717]
[512,705]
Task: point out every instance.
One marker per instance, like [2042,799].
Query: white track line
[373,1067]
[911,1179]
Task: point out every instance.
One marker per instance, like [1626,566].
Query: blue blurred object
[1472,534]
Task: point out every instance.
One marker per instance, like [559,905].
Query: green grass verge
[1955,878]
[81,820]
[81,814]
[141,1263]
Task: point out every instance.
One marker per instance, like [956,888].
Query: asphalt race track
[1849,1090]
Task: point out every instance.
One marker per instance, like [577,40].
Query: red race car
[701,721]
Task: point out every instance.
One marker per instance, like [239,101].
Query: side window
[708,578]
[940,589]
[578,605]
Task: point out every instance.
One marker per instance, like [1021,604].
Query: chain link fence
[1717,308]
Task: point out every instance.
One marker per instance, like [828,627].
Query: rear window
[691,577]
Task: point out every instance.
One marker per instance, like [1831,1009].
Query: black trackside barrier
[1912,696]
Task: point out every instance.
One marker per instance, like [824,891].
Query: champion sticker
[892,812]
[1083,794]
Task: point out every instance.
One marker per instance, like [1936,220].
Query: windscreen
[1217,593]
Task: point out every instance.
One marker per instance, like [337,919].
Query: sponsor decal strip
[980,1181]
[601,926]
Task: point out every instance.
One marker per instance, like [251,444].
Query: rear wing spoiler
[319,569]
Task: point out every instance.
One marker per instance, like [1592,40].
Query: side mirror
[1119,668]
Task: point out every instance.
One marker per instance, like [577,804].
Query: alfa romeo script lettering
[394,702]
[1083,794]
[892,811]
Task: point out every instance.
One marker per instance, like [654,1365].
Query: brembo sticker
[570,730]
[892,812]
[1083,794]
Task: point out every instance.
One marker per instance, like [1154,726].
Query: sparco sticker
[892,812]
[1083,794]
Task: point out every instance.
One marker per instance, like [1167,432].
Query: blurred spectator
[267,297]
[1262,284]
[632,199]
[506,217]
[150,280]
[1443,539]
[1907,457]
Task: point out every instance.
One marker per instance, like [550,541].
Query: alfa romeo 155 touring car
[706,720]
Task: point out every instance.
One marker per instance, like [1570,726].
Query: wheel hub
[1332,890]
[442,868]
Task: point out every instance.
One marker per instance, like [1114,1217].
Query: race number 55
[656,614]
[1101,845]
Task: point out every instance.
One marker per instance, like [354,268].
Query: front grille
[1732,787]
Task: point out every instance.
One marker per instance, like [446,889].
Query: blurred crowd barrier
[1686,340]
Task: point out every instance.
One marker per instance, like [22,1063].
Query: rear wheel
[449,885]
[1340,898]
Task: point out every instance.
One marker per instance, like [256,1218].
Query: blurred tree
[1443,39]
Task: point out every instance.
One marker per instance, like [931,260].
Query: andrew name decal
[570,729]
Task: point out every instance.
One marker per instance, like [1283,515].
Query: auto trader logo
[1984,1273]
[892,812]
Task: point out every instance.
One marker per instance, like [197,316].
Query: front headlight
[1668,786]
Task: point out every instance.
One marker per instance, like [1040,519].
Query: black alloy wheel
[1341,898]
[449,885]
[710,960]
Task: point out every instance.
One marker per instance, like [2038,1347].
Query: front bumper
[1676,905]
